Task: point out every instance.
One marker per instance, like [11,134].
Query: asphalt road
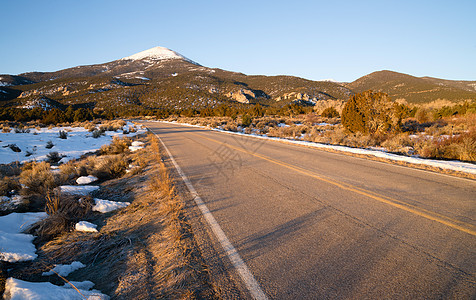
[310,224]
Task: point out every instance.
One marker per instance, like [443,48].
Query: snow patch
[82,285]
[105,206]
[86,179]
[10,202]
[65,270]
[14,245]
[86,226]
[157,53]
[16,289]
[136,145]
[33,144]
[82,190]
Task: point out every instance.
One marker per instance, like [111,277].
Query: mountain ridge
[162,78]
[414,89]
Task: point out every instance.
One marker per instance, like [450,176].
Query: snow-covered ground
[105,206]
[86,179]
[448,165]
[86,226]
[33,144]
[16,289]
[136,145]
[81,190]
[15,245]
[12,202]
[65,270]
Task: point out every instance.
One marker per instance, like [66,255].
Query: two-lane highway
[311,224]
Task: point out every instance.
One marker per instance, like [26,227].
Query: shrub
[370,112]
[97,133]
[422,115]
[53,157]
[330,112]
[22,130]
[117,146]
[63,212]
[90,126]
[49,145]
[400,143]
[37,178]
[110,167]
[7,185]
[14,148]
[246,120]
[113,125]
[461,147]
[63,134]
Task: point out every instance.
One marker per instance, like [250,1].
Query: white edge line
[233,255]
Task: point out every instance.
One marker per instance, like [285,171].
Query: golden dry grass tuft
[118,145]
[37,178]
[63,211]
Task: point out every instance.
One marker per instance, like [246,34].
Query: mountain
[162,78]
[414,89]
[158,54]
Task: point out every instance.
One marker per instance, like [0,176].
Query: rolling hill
[414,89]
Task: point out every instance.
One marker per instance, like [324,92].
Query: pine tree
[370,112]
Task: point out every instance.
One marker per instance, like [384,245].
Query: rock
[242,96]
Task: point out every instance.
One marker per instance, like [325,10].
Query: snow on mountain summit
[157,53]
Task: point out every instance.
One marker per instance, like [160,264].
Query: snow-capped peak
[157,53]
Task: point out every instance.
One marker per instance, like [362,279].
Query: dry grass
[399,143]
[8,184]
[37,178]
[118,145]
[145,251]
[109,167]
[460,147]
[104,167]
[113,125]
[63,212]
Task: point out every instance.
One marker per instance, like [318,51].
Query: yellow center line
[345,186]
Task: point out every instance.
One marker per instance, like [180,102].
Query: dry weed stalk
[52,203]
[65,280]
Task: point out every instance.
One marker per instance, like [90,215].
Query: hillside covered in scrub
[160,81]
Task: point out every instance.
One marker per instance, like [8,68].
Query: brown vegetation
[438,130]
[143,251]
[37,178]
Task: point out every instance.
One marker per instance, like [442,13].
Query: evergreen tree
[370,112]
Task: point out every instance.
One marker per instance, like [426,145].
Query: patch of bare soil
[144,251]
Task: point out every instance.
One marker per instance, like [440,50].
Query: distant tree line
[51,116]
[367,112]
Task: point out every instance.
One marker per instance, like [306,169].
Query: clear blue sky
[342,40]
